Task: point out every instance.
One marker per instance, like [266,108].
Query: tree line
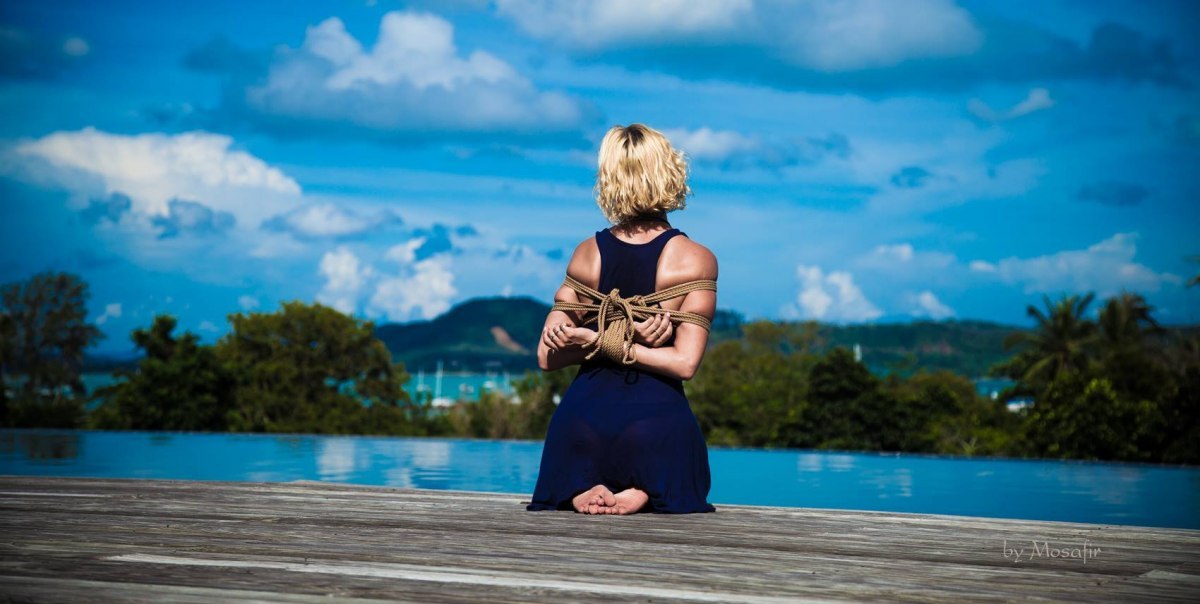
[1119,387]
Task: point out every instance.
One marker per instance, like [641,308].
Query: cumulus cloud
[191,217]
[109,209]
[819,34]
[869,46]
[596,25]
[152,169]
[1105,267]
[926,304]
[735,150]
[439,238]
[423,289]
[1113,193]
[830,296]
[345,279]
[331,220]
[412,289]
[1037,100]
[411,84]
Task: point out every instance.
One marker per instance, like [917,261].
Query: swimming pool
[1113,493]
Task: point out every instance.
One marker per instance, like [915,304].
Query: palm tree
[1060,339]
[1125,319]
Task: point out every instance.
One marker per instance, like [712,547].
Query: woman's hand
[655,331]
[559,336]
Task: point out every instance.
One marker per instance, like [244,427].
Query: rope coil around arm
[615,315]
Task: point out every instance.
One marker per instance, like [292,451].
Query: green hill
[498,334]
[502,334]
[966,347]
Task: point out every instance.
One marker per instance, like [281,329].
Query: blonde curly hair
[639,173]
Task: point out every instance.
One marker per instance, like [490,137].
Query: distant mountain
[502,334]
[499,334]
[966,347]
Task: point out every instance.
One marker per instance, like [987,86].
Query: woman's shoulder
[584,264]
[683,259]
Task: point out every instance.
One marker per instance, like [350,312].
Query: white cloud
[420,289]
[423,289]
[405,253]
[830,297]
[155,168]
[823,35]
[345,279]
[330,220]
[111,311]
[926,304]
[832,35]
[591,25]
[248,302]
[982,266]
[413,48]
[902,252]
[902,260]
[1037,100]
[1104,267]
[413,80]
[737,150]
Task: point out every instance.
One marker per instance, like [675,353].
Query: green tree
[525,415]
[1130,349]
[1181,419]
[178,385]
[846,408]
[310,368]
[45,333]
[947,415]
[750,391]
[1083,417]
[1058,343]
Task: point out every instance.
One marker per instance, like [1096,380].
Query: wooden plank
[311,538]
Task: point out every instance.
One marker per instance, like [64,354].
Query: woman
[623,438]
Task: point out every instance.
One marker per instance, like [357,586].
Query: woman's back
[624,423]
[621,425]
[647,262]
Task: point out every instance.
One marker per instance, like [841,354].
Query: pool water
[1112,493]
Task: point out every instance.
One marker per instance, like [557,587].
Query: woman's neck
[644,222]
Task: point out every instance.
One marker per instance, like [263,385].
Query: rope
[615,315]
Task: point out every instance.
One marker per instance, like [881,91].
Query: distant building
[1018,404]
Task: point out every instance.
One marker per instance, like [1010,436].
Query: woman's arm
[554,352]
[682,359]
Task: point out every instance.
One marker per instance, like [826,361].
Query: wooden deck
[88,539]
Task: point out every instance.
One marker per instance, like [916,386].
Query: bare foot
[594,500]
[628,501]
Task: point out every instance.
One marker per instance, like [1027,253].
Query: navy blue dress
[622,426]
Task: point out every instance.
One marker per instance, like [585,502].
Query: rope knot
[615,316]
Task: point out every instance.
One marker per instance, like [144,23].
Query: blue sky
[851,161]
